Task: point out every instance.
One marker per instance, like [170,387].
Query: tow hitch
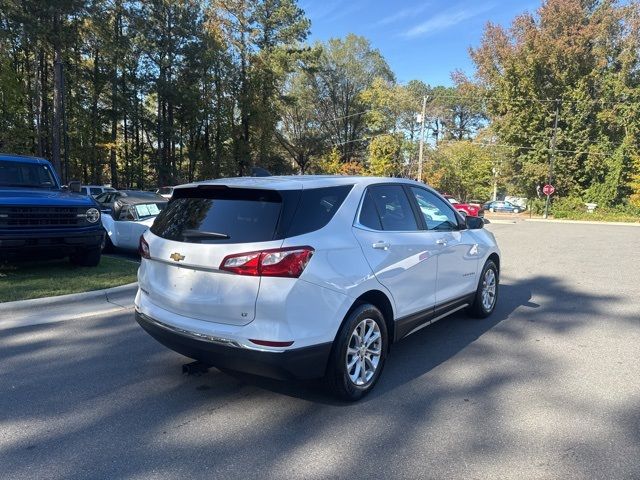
[196,368]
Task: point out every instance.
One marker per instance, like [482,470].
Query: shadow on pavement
[104,400]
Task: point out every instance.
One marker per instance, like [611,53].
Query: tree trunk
[40,102]
[57,95]
[218,135]
[113,159]
[96,171]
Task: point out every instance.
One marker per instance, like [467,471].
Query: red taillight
[281,262]
[143,248]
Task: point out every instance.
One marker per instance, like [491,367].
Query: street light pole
[551,157]
[424,110]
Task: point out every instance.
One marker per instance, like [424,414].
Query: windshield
[148,209]
[27,175]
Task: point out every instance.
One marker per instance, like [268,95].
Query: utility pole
[424,111]
[552,155]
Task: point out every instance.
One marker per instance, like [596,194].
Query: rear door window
[386,207]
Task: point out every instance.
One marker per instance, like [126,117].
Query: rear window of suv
[218,214]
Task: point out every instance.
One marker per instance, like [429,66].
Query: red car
[465,208]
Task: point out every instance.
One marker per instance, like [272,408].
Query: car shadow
[414,355]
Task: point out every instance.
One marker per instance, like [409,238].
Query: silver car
[309,276]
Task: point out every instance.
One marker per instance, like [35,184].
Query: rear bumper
[39,244]
[298,363]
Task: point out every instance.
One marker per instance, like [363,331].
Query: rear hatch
[192,236]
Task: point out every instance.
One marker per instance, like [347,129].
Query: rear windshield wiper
[199,234]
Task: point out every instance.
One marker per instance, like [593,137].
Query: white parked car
[95,190]
[126,215]
[305,277]
[166,192]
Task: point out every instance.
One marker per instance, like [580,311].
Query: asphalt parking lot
[548,387]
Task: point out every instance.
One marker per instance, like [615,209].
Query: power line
[498,99]
[522,147]
[481,144]
[531,99]
[352,115]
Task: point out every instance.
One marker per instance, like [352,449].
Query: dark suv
[40,219]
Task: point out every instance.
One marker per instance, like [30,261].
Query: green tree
[573,57]
[464,169]
[346,68]
[384,155]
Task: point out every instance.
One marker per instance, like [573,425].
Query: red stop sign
[548,189]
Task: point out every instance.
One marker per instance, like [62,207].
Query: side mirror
[474,223]
[74,186]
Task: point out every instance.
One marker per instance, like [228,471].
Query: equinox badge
[176,257]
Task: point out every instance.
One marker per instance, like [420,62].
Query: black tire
[107,245]
[337,377]
[87,258]
[516,210]
[478,309]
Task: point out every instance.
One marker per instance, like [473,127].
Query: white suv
[309,276]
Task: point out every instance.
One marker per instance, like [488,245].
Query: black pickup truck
[40,219]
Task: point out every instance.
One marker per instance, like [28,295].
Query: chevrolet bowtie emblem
[176,257]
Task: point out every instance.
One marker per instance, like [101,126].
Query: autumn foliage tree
[577,58]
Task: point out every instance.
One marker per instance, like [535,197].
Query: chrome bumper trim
[198,336]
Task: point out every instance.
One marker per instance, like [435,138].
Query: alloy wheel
[489,289]
[363,352]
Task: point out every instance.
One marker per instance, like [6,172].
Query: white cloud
[401,14]
[445,20]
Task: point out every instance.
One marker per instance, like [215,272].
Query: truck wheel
[107,244]
[87,258]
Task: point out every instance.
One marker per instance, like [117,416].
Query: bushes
[536,206]
[573,208]
[565,207]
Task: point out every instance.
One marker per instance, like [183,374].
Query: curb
[583,222]
[501,222]
[71,297]
[66,307]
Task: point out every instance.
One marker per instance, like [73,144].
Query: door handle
[381,245]
[441,241]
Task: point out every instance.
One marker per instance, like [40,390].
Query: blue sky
[420,39]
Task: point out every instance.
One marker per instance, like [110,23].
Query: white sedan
[128,217]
